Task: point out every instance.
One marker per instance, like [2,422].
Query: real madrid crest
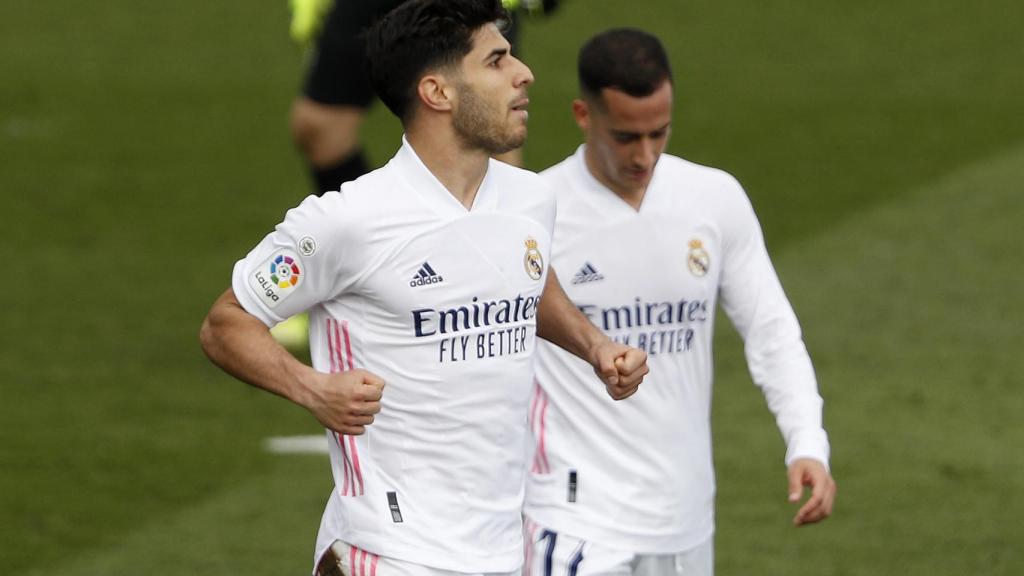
[698,260]
[532,261]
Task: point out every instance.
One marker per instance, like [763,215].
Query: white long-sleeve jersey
[637,474]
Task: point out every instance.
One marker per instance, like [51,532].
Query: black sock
[331,177]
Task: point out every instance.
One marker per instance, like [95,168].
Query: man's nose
[524,76]
[644,153]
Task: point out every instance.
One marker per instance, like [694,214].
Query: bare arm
[242,346]
[560,322]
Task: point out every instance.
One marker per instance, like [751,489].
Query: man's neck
[459,170]
[634,197]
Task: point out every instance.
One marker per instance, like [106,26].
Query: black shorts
[337,71]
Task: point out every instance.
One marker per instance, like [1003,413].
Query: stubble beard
[476,124]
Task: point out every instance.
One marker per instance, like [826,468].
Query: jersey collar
[606,199]
[422,181]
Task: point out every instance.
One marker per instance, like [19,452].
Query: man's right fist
[347,401]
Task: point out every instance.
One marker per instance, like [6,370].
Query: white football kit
[637,475]
[439,301]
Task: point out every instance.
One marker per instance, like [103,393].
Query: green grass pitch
[144,147]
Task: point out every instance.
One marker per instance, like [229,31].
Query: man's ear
[581,113]
[436,92]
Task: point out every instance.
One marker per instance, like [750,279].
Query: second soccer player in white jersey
[649,245]
[430,275]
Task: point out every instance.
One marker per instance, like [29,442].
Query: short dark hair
[625,59]
[420,36]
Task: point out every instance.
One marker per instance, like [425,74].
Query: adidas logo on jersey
[587,274]
[426,275]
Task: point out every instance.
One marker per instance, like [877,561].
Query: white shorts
[550,553]
[344,560]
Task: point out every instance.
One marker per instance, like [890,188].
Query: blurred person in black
[336,94]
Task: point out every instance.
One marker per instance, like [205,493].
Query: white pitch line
[296,444]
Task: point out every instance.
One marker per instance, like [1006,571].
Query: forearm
[560,322]
[779,364]
[787,380]
[242,346]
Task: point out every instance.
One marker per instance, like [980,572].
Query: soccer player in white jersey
[653,243]
[430,275]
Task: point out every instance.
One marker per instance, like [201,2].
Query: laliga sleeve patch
[277,277]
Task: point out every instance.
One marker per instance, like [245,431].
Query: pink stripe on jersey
[341,360]
[338,349]
[357,470]
[533,405]
[543,433]
[345,466]
[355,467]
[348,344]
[540,461]
[331,346]
[361,563]
[334,352]
[528,530]
[534,422]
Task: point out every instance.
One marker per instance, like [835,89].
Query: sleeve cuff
[811,444]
